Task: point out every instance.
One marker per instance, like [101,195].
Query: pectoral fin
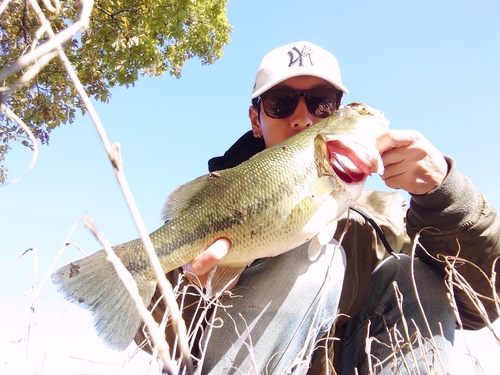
[321,187]
[219,278]
[321,239]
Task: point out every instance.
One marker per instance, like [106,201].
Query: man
[350,308]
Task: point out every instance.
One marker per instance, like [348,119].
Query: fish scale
[276,201]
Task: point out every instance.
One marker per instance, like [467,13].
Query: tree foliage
[125,38]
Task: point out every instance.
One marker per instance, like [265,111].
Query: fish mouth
[346,163]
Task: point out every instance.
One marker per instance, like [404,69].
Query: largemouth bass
[277,200]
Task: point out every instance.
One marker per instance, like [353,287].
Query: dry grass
[402,343]
[32,347]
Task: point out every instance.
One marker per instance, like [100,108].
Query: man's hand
[411,162]
[199,267]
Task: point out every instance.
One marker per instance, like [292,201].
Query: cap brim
[270,85]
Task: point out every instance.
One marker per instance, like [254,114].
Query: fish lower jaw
[348,173]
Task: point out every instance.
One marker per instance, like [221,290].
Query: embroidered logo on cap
[299,56]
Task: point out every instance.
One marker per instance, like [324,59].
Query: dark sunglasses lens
[321,103]
[279,104]
[282,103]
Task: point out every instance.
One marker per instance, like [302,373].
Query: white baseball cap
[297,59]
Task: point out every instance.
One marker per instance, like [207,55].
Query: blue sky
[430,66]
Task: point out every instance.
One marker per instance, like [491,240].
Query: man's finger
[396,138]
[210,257]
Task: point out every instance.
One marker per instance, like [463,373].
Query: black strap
[377,229]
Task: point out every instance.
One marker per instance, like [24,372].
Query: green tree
[125,39]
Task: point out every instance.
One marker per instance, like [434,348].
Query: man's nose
[301,117]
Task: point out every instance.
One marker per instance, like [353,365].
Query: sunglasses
[281,103]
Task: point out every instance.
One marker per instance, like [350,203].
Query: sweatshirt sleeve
[455,230]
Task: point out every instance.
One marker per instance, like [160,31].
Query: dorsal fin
[178,199]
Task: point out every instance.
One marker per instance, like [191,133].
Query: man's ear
[255,121]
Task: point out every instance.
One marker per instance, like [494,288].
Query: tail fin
[92,283]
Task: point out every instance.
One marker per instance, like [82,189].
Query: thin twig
[415,288]
[115,158]
[34,158]
[163,283]
[129,283]
[56,259]
[54,44]
[3,5]
[36,59]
